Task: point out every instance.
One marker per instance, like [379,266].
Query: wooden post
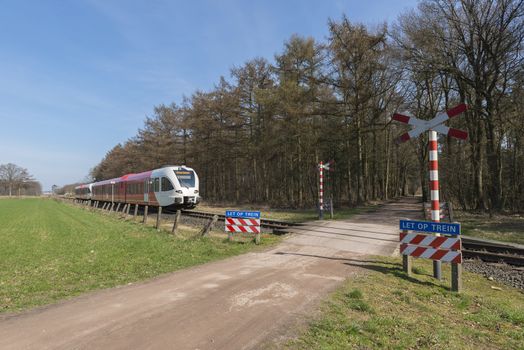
[136,211]
[118,207]
[208,226]
[456,277]
[127,210]
[257,238]
[177,219]
[124,210]
[331,207]
[407,261]
[112,205]
[158,217]
[144,221]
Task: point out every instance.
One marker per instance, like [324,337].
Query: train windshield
[185,177]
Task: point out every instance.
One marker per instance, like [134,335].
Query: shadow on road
[378,266]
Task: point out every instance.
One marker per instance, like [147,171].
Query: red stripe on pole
[433,165]
[435,205]
[401,118]
[457,110]
[433,185]
[459,134]
[433,146]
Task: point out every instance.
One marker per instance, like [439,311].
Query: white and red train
[171,186]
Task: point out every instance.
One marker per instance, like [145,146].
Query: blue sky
[78,77]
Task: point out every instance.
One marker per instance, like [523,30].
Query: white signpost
[321,168]
[433,126]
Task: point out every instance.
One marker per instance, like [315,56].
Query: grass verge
[292,215]
[506,228]
[51,250]
[385,309]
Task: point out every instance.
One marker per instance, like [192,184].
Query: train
[172,187]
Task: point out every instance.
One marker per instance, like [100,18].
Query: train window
[157,184]
[166,184]
[185,177]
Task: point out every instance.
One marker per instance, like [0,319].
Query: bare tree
[14,177]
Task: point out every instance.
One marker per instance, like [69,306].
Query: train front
[185,191]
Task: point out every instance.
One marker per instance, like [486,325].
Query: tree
[14,177]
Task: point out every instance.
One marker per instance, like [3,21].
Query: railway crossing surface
[244,302]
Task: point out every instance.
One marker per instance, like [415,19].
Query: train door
[146,190]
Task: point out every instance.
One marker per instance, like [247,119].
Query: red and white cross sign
[434,124]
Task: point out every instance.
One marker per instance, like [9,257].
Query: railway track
[492,252]
[276,225]
[472,248]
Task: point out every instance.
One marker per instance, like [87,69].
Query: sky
[78,77]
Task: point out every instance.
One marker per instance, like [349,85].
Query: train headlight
[178,191]
[196,191]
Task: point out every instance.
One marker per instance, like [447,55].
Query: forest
[259,134]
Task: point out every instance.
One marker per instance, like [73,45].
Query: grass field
[385,309]
[291,215]
[51,250]
[507,228]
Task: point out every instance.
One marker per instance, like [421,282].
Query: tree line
[258,134]
[15,180]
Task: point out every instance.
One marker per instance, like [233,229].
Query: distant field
[385,309]
[50,251]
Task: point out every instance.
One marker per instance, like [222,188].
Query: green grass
[292,215]
[385,309]
[507,228]
[51,250]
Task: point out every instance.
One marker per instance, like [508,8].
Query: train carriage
[170,186]
[83,191]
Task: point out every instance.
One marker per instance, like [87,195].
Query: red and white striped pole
[434,191]
[321,191]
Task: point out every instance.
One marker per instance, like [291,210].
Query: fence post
[158,217]
[331,207]
[136,211]
[118,207]
[207,227]
[112,205]
[144,221]
[127,210]
[257,238]
[175,224]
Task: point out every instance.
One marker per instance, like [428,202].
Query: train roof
[139,176]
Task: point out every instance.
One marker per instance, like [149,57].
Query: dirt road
[238,303]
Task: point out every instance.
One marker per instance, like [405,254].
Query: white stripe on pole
[433,174]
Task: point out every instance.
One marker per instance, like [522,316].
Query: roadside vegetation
[291,215]
[386,309]
[51,250]
[506,228]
